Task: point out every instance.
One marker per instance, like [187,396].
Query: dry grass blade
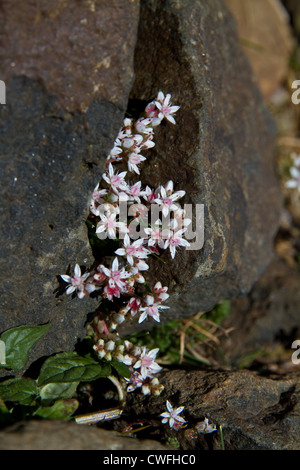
[197,355]
[206,333]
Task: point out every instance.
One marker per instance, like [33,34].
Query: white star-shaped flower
[165,109]
[146,363]
[171,416]
[78,283]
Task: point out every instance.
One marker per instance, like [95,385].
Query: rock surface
[80,53]
[221,151]
[53,147]
[59,435]
[255,412]
[267,40]
[267,319]
[59,123]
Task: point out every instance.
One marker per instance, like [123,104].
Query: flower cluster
[118,207]
[142,367]
[294,182]
[140,361]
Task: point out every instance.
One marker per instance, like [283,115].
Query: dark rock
[60,121]
[255,412]
[221,151]
[80,53]
[293,9]
[267,318]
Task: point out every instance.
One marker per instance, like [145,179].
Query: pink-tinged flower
[180,219]
[109,292]
[98,194]
[133,142]
[116,276]
[134,159]
[127,142]
[172,416]
[175,240]
[132,250]
[100,277]
[115,180]
[77,283]
[151,110]
[160,292]
[144,126]
[151,309]
[139,265]
[134,305]
[116,151]
[147,144]
[165,109]
[126,130]
[139,211]
[109,225]
[167,198]
[107,209]
[97,198]
[150,194]
[135,381]
[155,234]
[205,428]
[146,363]
[135,192]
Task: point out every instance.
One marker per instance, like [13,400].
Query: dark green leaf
[18,341]
[71,367]
[121,368]
[62,409]
[21,390]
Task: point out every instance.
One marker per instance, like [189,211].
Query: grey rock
[221,151]
[255,412]
[267,318]
[59,435]
[53,149]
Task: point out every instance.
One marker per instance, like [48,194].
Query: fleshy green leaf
[71,367]
[62,409]
[20,390]
[121,368]
[18,341]
[54,391]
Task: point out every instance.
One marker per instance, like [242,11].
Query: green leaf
[70,367]
[5,414]
[62,409]
[54,391]
[21,390]
[18,341]
[121,368]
